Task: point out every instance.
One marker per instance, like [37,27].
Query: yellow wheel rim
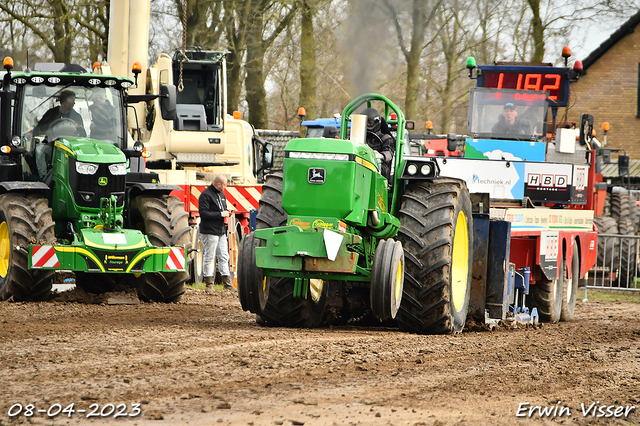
[399,281]
[459,262]
[315,287]
[5,249]
[264,285]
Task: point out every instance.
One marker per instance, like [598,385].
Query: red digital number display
[554,83]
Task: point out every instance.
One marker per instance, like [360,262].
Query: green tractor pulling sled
[74,197]
[335,238]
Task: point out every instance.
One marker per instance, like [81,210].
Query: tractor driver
[510,124]
[64,110]
[380,141]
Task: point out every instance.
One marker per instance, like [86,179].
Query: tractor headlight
[15,141]
[118,169]
[86,168]
[425,169]
[412,169]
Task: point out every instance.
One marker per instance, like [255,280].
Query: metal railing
[617,263]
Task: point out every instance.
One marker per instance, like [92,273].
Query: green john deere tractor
[74,197]
[335,240]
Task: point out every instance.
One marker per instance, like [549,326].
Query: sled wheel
[546,295]
[570,285]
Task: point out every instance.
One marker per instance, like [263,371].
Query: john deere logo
[103,181]
[316,175]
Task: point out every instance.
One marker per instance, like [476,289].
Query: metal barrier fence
[617,263]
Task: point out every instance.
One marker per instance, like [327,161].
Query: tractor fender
[19,186]
[157,188]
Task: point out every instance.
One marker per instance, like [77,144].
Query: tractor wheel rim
[459,262]
[315,287]
[5,249]
[398,292]
[569,284]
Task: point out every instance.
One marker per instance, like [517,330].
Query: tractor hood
[91,150]
[331,146]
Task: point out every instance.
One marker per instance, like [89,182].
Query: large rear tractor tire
[623,208]
[628,255]
[24,220]
[570,285]
[279,307]
[608,248]
[387,278]
[165,222]
[437,237]
[284,310]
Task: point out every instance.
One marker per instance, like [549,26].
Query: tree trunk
[234,85]
[61,31]
[254,83]
[307,61]
[537,31]
[413,58]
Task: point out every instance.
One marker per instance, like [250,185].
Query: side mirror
[623,165]
[410,125]
[586,129]
[262,155]
[452,142]
[168,102]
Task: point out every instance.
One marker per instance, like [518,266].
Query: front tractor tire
[164,221]
[24,220]
[387,278]
[437,237]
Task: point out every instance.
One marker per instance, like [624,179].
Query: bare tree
[307,58]
[422,15]
[262,17]
[70,30]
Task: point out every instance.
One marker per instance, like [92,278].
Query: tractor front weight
[93,250]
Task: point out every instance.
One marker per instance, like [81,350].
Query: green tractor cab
[75,197]
[335,240]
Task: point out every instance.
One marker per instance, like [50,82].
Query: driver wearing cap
[510,124]
[64,110]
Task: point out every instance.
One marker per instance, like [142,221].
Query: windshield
[314,132]
[507,114]
[52,112]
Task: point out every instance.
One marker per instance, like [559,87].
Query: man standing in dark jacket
[213,232]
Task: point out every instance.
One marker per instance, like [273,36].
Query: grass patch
[610,295]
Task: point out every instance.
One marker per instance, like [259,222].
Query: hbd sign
[547,180]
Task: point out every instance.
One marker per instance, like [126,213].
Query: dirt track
[204,361]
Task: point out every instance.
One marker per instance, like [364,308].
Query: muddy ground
[204,361]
